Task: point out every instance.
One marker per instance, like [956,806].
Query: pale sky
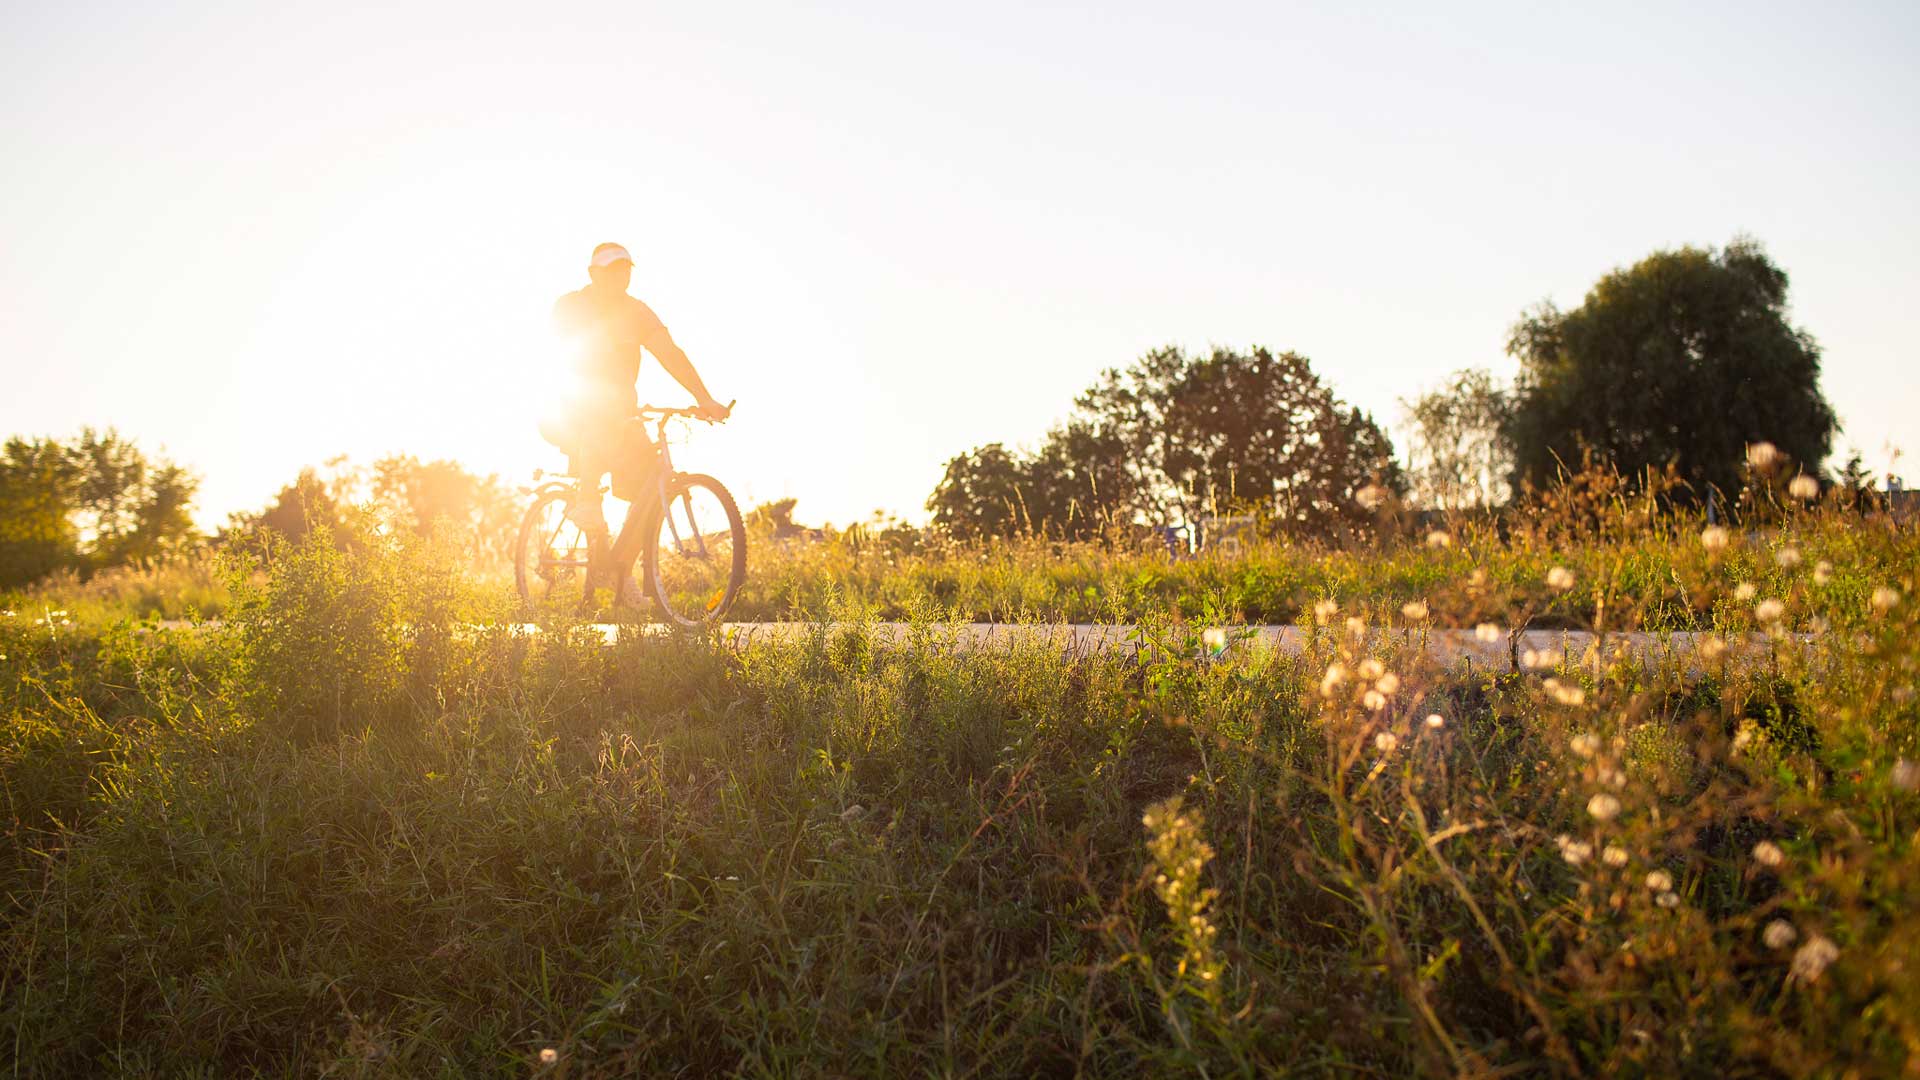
[256,236]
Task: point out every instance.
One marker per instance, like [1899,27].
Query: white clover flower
[1615,856]
[1325,610]
[1535,659]
[1565,693]
[1659,881]
[1714,537]
[1803,487]
[1586,744]
[1439,539]
[1560,579]
[1712,647]
[1668,900]
[1574,851]
[1787,557]
[1811,960]
[1768,611]
[1336,674]
[1822,572]
[1762,455]
[1603,807]
[1488,632]
[1389,684]
[1885,597]
[1779,934]
[1434,721]
[1374,700]
[1745,591]
[1371,668]
[1768,853]
[1414,610]
[1386,742]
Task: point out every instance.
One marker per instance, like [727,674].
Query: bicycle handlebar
[664,411]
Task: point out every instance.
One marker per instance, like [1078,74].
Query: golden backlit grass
[341,834]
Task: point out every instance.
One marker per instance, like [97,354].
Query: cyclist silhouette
[597,427]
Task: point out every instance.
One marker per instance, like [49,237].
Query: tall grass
[341,835]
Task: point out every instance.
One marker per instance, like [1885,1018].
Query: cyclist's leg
[636,480]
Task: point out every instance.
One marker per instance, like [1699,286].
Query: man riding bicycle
[597,427]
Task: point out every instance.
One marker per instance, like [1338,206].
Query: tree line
[97,501]
[1676,364]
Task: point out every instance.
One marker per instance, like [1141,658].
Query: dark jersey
[609,329]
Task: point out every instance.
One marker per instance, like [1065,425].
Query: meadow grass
[342,833]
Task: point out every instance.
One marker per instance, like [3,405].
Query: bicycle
[694,557]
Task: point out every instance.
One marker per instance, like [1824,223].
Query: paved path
[1530,648]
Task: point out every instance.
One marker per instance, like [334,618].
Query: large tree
[1684,358]
[1174,438]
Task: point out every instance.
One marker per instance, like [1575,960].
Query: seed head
[1574,851]
[1214,638]
[1586,744]
[1389,684]
[1386,742]
[1336,674]
[1371,668]
[1885,597]
[1659,881]
[1787,557]
[1603,807]
[1768,853]
[1435,721]
[1779,934]
[1560,579]
[1370,497]
[1615,856]
[1374,700]
[1811,960]
[1564,693]
[1414,610]
[549,1056]
[1714,538]
[1804,487]
[1712,647]
[1487,632]
[1668,900]
[1762,455]
[1439,539]
[1822,572]
[1325,610]
[1768,611]
[1745,591]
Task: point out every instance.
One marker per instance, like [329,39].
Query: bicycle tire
[524,557]
[680,486]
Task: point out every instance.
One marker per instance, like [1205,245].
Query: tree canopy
[1172,439]
[1686,358]
[89,503]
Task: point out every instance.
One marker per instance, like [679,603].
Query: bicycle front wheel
[697,558]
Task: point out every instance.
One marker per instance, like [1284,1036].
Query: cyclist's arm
[674,359]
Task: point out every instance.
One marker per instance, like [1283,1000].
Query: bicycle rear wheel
[550,558]
[696,558]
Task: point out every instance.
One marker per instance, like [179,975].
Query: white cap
[608,254]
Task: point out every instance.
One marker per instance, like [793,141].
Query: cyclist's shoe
[630,594]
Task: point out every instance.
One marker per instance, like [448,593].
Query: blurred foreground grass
[335,836]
